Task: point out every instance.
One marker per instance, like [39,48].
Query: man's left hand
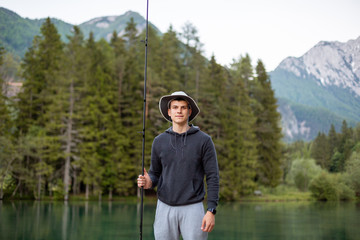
[208,222]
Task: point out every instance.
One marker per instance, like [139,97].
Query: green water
[29,220]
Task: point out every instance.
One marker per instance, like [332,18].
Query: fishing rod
[144,112]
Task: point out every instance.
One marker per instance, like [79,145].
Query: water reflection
[292,220]
[29,220]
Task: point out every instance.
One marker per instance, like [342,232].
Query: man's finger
[203,225]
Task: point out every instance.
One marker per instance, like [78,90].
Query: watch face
[213,210]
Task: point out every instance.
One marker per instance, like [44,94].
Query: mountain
[103,27]
[17,33]
[319,88]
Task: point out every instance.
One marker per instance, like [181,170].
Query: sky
[270,30]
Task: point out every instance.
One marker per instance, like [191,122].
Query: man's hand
[144,181]
[208,222]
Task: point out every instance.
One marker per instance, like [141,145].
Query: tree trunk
[87,192]
[39,188]
[197,85]
[110,194]
[120,89]
[17,187]
[68,143]
[39,184]
[1,190]
[75,183]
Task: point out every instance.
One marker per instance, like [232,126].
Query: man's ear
[190,111]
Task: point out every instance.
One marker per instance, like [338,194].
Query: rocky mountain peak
[330,63]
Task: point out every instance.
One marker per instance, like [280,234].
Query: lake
[30,220]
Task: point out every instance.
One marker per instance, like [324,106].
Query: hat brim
[164,103]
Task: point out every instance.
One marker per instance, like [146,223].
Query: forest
[75,127]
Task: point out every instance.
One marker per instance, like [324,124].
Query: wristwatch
[212,210]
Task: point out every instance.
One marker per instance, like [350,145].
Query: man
[180,158]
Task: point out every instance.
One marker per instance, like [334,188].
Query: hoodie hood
[193,129]
[178,140]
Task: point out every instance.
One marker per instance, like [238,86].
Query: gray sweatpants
[173,221]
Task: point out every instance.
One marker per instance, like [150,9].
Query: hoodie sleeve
[155,166]
[212,173]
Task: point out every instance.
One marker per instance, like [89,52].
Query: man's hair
[178,99]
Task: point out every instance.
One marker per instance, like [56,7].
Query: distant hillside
[301,122]
[320,88]
[17,33]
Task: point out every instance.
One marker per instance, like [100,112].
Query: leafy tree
[352,168]
[302,171]
[330,187]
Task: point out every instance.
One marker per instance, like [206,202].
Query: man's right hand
[144,181]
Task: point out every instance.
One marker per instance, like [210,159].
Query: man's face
[179,111]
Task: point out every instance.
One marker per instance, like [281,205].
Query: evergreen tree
[5,123]
[132,103]
[170,62]
[320,151]
[346,141]
[268,130]
[118,45]
[212,90]
[238,168]
[7,148]
[193,62]
[72,85]
[41,71]
[333,139]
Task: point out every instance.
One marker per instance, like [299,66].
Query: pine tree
[212,90]
[320,151]
[7,147]
[238,168]
[5,123]
[346,142]
[42,64]
[193,62]
[118,45]
[72,85]
[333,139]
[170,62]
[268,130]
[132,104]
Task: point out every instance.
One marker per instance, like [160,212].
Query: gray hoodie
[179,163]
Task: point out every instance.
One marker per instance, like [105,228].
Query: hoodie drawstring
[182,142]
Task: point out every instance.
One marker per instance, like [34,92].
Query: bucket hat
[164,105]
